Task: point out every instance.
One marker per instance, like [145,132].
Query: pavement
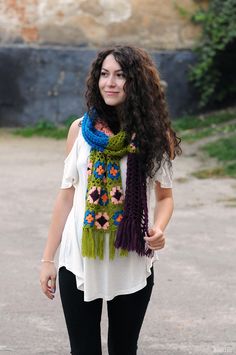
[193,305]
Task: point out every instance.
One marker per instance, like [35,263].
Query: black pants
[125,318]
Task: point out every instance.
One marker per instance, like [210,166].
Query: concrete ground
[193,307]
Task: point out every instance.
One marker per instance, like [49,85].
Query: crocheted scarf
[107,210]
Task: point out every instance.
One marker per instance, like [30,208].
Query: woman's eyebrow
[115,70]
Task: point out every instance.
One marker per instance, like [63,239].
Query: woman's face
[111,82]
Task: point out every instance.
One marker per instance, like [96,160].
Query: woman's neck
[103,127]
[109,120]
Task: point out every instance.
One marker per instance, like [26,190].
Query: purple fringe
[134,224]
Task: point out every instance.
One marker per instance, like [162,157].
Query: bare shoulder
[73,134]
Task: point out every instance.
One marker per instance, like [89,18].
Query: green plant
[43,124]
[221,126]
[203,121]
[214,73]
[209,173]
[224,151]
[43,128]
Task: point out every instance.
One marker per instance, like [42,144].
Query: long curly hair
[144,110]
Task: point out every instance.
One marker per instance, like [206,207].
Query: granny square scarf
[107,210]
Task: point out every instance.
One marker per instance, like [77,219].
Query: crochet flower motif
[103,201]
[117,217]
[89,218]
[94,195]
[89,168]
[117,196]
[113,171]
[99,169]
[102,220]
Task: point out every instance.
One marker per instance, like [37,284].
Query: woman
[118,154]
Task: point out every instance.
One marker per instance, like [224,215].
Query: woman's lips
[111,93]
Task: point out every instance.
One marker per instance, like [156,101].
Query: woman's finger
[156,245]
[154,238]
[49,293]
[47,290]
[53,284]
[44,285]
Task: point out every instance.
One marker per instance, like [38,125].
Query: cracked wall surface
[157,24]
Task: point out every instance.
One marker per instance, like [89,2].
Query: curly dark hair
[144,110]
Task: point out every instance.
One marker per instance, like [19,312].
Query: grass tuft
[223,149]
[191,129]
[209,173]
[202,121]
[44,128]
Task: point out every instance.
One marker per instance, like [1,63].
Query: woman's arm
[163,212]
[164,206]
[60,213]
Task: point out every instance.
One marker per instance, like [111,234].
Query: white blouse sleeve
[164,174]
[70,174]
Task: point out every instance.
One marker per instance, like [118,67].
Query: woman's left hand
[156,240]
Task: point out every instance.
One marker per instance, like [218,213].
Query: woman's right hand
[48,276]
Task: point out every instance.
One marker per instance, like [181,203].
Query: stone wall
[48,83]
[155,24]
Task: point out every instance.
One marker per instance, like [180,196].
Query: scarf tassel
[92,244]
[129,237]
[134,225]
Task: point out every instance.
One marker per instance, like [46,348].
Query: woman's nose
[111,81]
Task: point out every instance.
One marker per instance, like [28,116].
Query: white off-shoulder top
[102,278]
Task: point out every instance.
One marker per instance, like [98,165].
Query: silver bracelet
[47,261]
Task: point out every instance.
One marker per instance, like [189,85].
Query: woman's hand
[48,277]
[156,240]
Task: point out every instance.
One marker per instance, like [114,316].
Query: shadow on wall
[48,82]
[12,101]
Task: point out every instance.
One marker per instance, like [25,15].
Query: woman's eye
[103,73]
[120,75]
